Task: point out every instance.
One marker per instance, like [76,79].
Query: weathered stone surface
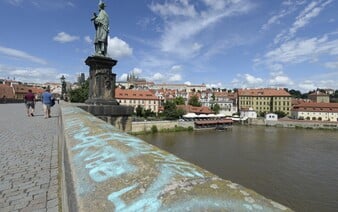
[108,170]
[101,81]
[117,115]
[27,164]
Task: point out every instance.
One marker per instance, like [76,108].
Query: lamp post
[63,87]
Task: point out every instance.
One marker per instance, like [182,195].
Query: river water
[295,167]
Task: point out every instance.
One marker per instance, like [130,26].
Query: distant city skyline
[225,44]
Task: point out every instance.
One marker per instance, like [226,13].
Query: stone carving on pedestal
[101,81]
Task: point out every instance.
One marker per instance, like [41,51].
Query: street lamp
[63,87]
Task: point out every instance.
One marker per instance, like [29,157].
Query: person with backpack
[47,101]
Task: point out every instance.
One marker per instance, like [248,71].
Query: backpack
[53,102]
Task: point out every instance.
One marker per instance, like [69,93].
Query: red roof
[316,107]
[263,92]
[318,93]
[197,110]
[23,89]
[6,91]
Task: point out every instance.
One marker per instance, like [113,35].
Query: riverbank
[292,123]
[148,127]
[154,129]
[160,126]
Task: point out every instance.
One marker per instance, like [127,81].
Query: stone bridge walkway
[28,159]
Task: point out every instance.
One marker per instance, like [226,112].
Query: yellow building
[265,100]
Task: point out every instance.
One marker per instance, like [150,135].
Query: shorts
[30,104]
[46,107]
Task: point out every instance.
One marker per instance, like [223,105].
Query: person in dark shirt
[30,102]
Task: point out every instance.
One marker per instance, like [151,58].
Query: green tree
[335,94]
[80,94]
[280,114]
[147,113]
[334,97]
[154,129]
[194,101]
[139,111]
[171,112]
[262,114]
[213,97]
[216,108]
[295,93]
[179,100]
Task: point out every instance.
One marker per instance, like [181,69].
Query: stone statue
[101,23]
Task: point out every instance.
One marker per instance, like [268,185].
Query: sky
[221,43]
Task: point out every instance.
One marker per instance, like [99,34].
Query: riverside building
[265,100]
[144,98]
[316,111]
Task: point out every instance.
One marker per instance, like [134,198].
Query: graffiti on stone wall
[108,155]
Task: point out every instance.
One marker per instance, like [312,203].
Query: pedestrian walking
[47,101]
[29,99]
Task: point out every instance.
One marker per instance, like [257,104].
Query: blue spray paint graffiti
[107,155]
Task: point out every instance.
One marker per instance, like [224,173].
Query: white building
[248,113]
[315,111]
[271,117]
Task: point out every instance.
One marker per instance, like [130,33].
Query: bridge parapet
[109,170]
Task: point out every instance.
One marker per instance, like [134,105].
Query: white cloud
[178,8]
[118,48]
[306,86]
[288,7]
[175,78]
[176,68]
[30,74]
[333,65]
[280,81]
[123,77]
[297,51]
[275,19]
[15,2]
[14,53]
[216,4]
[187,83]
[63,37]
[157,77]
[71,4]
[304,18]
[87,39]
[179,31]
[247,81]
[252,80]
[213,85]
[196,47]
[136,71]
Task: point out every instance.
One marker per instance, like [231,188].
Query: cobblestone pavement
[28,159]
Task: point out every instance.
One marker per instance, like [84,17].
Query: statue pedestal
[101,100]
[101,81]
